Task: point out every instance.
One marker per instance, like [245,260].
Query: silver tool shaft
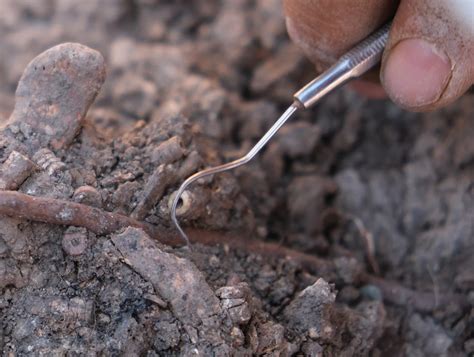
[353,64]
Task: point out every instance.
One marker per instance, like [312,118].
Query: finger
[368,89]
[428,60]
[325,29]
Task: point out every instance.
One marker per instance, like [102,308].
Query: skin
[428,61]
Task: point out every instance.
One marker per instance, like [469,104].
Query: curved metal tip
[175,220]
[228,166]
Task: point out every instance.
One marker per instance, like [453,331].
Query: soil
[351,235]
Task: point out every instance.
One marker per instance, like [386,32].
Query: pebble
[75,241]
[88,195]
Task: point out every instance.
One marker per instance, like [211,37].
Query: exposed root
[54,211]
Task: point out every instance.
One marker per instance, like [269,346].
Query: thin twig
[368,242]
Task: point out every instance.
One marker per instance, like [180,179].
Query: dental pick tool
[353,64]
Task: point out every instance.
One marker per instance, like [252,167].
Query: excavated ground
[351,235]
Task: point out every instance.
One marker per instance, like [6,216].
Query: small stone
[309,311]
[232,292]
[271,338]
[157,300]
[75,241]
[175,279]
[15,171]
[168,151]
[241,314]
[238,337]
[88,195]
[154,189]
[230,303]
[371,292]
[103,319]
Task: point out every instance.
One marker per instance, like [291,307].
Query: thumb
[428,60]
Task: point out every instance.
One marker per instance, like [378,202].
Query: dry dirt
[351,235]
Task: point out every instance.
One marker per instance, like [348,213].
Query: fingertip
[416,73]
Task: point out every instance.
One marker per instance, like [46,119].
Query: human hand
[428,61]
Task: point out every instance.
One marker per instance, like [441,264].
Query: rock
[238,337]
[167,335]
[156,300]
[54,94]
[365,325]
[272,339]
[235,299]
[15,171]
[310,310]
[371,292]
[122,198]
[168,151]
[155,187]
[75,241]
[178,281]
[88,195]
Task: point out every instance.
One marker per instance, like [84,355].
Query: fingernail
[416,73]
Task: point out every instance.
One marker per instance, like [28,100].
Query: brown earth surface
[351,235]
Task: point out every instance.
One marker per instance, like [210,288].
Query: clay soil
[350,235]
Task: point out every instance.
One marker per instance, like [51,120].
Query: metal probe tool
[351,65]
